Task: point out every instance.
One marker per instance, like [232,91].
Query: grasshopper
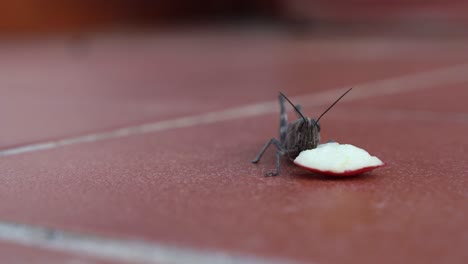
[300,135]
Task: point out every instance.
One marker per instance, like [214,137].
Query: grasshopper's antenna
[295,108]
[316,122]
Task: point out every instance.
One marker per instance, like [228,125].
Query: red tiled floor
[194,187]
[26,255]
[442,98]
[51,92]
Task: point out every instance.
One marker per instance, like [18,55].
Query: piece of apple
[337,160]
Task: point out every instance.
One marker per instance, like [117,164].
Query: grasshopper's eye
[317,125]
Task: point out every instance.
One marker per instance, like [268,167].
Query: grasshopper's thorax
[301,136]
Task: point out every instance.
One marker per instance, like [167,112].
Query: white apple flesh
[337,160]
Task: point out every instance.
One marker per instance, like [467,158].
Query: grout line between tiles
[131,251]
[446,75]
[404,115]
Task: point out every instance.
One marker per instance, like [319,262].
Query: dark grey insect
[295,137]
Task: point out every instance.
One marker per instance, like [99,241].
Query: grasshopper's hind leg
[283,124]
[299,109]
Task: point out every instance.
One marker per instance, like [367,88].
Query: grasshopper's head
[314,126]
[303,134]
[311,134]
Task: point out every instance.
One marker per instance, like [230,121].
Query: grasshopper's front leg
[273,141]
[278,164]
[279,154]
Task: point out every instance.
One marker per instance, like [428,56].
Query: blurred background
[53,16]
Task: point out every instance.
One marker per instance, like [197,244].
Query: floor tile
[195,187]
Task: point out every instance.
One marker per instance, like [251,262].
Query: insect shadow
[294,137]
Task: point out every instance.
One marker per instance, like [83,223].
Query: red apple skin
[342,174]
